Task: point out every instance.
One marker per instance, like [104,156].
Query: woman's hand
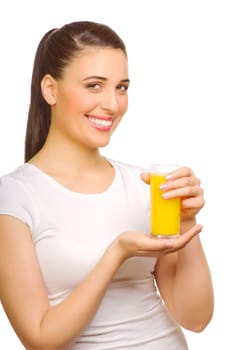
[134,243]
[184,184]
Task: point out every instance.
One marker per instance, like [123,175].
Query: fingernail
[166,195]
[163,186]
[168,176]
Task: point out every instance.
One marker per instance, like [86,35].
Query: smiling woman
[81,97]
[74,225]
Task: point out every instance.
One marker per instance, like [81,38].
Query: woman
[78,268]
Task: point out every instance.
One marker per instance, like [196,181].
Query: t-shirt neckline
[70,192]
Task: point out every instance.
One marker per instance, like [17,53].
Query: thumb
[145,177]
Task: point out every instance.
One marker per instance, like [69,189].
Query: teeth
[100,122]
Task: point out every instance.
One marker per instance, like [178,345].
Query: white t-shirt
[71,231]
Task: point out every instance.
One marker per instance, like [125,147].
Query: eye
[94,86]
[122,87]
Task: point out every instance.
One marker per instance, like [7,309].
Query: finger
[145,177]
[192,191]
[181,172]
[162,244]
[193,203]
[152,243]
[181,182]
[184,239]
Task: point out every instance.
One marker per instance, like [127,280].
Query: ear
[48,89]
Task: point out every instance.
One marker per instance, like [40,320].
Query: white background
[188,71]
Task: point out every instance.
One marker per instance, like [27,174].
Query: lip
[101,117]
[101,127]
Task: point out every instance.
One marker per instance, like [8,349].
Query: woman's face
[91,98]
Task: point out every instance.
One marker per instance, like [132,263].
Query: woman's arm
[185,284]
[24,296]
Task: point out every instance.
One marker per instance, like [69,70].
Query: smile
[103,124]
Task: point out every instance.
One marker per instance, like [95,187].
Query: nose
[109,101]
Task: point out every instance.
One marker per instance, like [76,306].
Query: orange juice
[165,213]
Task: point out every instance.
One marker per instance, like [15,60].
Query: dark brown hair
[55,51]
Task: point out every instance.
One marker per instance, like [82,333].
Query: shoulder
[127,168]
[131,175]
[14,180]
[7,181]
[15,199]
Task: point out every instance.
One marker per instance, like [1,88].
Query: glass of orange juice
[165,213]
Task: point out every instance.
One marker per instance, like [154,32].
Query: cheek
[87,102]
[67,102]
[77,101]
[123,104]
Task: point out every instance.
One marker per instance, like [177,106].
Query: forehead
[99,61]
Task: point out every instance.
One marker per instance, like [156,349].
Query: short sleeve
[15,200]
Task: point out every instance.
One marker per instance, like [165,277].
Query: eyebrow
[103,78]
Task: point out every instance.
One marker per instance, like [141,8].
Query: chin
[102,143]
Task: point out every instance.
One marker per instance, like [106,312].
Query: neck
[64,156]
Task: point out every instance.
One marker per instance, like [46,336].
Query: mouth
[100,123]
